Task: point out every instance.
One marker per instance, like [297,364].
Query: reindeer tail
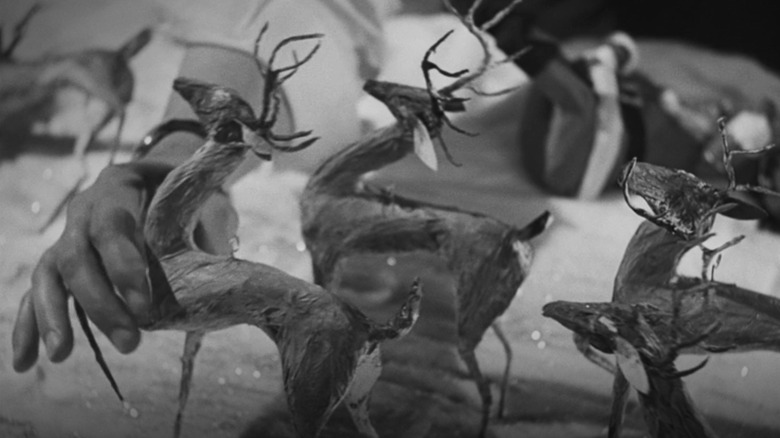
[136,43]
[536,226]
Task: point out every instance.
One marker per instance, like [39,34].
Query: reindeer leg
[317,275]
[358,397]
[619,401]
[507,366]
[84,139]
[468,356]
[117,138]
[192,343]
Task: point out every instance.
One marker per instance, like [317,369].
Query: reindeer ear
[423,145]
[745,206]
[190,89]
[259,145]
[631,366]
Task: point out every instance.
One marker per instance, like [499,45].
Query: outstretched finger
[50,303]
[84,277]
[25,336]
[113,237]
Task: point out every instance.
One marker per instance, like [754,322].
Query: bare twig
[480,33]
[19,31]
[275,77]
[82,317]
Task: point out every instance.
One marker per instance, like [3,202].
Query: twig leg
[619,402]
[192,343]
[468,356]
[82,142]
[496,326]
[117,138]
[317,275]
[358,396]
[710,257]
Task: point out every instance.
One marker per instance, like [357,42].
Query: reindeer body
[668,410]
[648,274]
[329,350]
[25,96]
[321,339]
[489,259]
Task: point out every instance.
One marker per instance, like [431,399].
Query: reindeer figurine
[682,210]
[735,319]
[645,344]
[340,211]
[329,350]
[28,89]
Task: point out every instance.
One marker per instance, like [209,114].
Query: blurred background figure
[592,105]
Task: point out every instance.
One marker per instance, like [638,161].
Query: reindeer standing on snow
[341,212]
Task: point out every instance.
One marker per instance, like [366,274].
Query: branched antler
[440,101]
[711,257]
[480,33]
[443,100]
[274,79]
[19,31]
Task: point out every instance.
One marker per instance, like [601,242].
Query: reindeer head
[684,204]
[606,327]
[425,110]
[228,118]
[598,322]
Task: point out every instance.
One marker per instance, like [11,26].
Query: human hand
[99,259]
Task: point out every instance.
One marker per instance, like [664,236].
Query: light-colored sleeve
[354,25]
[323,94]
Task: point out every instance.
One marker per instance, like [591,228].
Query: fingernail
[52,341]
[124,340]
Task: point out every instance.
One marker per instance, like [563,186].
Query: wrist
[171,142]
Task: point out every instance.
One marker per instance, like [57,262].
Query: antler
[19,31]
[274,78]
[479,33]
[443,100]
